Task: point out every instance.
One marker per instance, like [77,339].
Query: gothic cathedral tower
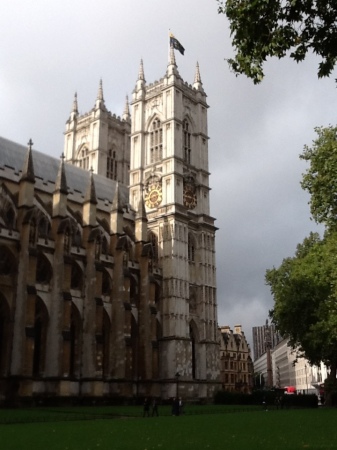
[99,140]
[169,171]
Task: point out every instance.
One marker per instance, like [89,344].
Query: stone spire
[141,221]
[172,57]
[141,71]
[75,105]
[140,85]
[90,202]
[74,111]
[172,68]
[28,169]
[60,192]
[100,97]
[126,113]
[27,181]
[197,78]
[116,215]
[61,181]
[117,200]
[90,195]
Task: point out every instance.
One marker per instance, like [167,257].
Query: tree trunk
[330,386]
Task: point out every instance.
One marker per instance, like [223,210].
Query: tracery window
[191,249]
[84,158]
[44,228]
[10,218]
[40,335]
[76,277]
[105,247]
[111,165]
[154,242]
[32,232]
[44,271]
[98,247]
[106,283]
[7,262]
[156,141]
[66,242]
[186,142]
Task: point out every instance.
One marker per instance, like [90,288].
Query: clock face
[190,196]
[153,195]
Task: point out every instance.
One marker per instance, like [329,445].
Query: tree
[305,294]
[320,180]
[264,28]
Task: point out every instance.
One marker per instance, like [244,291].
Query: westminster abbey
[107,256]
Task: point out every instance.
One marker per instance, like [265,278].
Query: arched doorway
[75,342]
[5,335]
[106,344]
[40,337]
[194,340]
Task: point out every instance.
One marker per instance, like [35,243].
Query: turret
[197,79]
[100,104]
[90,203]
[172,68]
[116,214]
[140,85]
[141,221]
[60,192]
[74,110]
[27,181]
[126,113]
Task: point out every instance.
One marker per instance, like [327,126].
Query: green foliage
[266,28]
[305,295]
[320,180]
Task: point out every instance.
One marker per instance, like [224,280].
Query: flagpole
[169,45]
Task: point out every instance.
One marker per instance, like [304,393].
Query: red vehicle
[290,390]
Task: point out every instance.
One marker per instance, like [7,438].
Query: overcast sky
[51,49]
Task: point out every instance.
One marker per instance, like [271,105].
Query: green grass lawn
[276,430]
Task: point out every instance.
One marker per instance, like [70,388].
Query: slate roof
[13,157]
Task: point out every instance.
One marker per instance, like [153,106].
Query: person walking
[181,405]
[154,407]
[146,408]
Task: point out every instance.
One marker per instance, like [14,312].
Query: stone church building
[107,256]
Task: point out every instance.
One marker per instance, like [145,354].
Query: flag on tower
[176,44]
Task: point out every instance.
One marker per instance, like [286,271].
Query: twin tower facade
[121,297]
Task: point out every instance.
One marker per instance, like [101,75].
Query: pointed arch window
[44,228]
[32,232]
[7,262]
[76,277]
[83,158]
[40,337]
[44,271]
[154,242]
[156,141]
[111,165]
[193,348]
[10,218]
[67,241]
[106,283]
[191,249]
[187,142]
[98,247]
